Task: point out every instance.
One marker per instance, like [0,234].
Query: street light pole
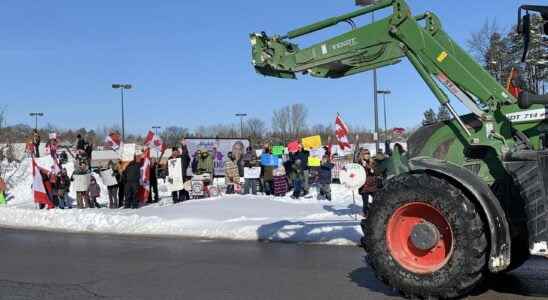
[242,116]
[122,87]
[384,93]
[375,81]
[36,115]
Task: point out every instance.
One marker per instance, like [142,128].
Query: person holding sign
[251,164]
[132,177]
[81,178]
[268,163]
[370,187]
[302,155]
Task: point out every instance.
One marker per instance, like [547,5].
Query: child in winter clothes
[94,191]
[325,178]
[279,182]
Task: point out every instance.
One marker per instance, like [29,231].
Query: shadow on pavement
[365,277]
[351,211]
[310,231]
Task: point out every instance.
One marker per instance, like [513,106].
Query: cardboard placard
[293,146]
[268,160]
[108,178]
[278,150]
[314,161]
[197,188]
[175,179]
[127,152]
[312,142]
[319,153]
[81,182]
[252,173]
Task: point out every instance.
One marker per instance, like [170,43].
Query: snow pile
[227,217]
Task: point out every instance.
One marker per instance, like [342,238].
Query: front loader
[471,193]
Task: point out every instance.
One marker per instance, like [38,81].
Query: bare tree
[173,135]
[281,124]
[255,130]
[298,119]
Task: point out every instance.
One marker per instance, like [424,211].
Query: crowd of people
[292,174]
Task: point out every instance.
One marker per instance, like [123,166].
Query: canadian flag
[155,142]
[113,140]
[38,187]
[341,132]
[144,182]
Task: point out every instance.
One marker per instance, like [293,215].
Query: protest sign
[175,179]
[312,142]
[314,161]
[108,178]
[252,173]
[278,150]
[268,160]
[128,152]
[81,182]
[293,146]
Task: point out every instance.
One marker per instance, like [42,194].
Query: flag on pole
[144,182]
[341,132]
[113,140]
[38,187]
[155,142]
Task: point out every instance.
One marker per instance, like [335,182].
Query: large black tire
[466,265]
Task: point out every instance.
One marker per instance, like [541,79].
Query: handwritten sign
[175,180]
[252,173]
[108,178]
[81,182]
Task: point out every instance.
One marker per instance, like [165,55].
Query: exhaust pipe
[526,100]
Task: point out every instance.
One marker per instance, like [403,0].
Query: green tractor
[470,196]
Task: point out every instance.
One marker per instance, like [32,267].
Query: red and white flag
[155,142]
[38,187]
[341,132]
[113,140]
[144,182]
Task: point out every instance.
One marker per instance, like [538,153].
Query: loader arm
[420,39]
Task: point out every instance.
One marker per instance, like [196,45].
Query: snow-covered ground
[227,217]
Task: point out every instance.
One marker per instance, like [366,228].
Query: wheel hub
[425,236]
[419,238]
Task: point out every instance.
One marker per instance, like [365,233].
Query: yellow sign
[312,142]
[314,161]
[442,56]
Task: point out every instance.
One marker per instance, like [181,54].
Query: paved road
[41,265]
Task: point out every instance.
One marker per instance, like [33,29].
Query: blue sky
[189,61]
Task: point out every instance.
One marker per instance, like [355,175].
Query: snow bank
[228,217]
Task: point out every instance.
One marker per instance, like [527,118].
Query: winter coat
[132,174]
[94,190]
[185,163]
[63,185]
[250,159]
[325,173]
[370,185]
[35,139]
[268,173]
[81,145]
[232,176]
[303,157]
[280,186]
[205,165]
[297,172]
